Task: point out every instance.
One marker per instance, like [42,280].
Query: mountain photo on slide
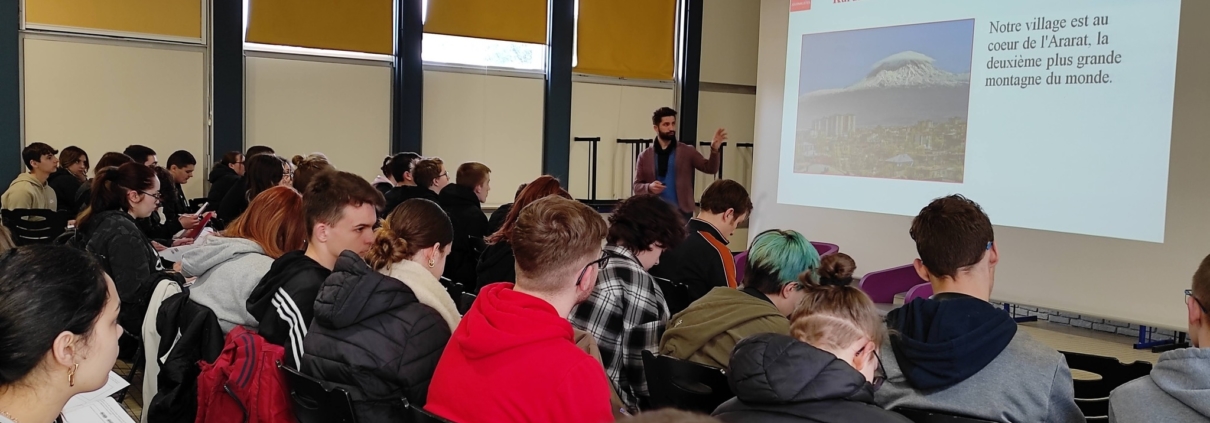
[885,102]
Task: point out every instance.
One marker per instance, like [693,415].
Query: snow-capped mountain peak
[908,69]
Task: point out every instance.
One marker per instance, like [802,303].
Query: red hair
[273,221]
[544,186]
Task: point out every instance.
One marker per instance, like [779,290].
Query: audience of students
[83,196]
[67,179]
[704,261]
[836,269]
[30,189]
[264,171]
[142,154]
[360,310]
[496,220]
[1178,388]
[462,201]
[626,313]
[497,263]
[228,265]
[306,167]
[107,229]
[826,373]
[513,354]
[403,181]
[58,328]
[956,352]
[412,246]
[778,264]
[340,210]
[225,175]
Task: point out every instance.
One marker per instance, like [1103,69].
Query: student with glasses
[120,195]
[513,355]
[1178,388]
[827,372]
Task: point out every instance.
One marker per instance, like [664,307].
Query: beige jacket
[27,192]
[428,289]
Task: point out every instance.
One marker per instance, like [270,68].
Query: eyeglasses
[157,196]
[443,175]
[1189,294]
[879,373]
[600,266]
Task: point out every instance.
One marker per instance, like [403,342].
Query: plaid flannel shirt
[626,314]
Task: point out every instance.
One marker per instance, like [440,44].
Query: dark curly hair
[643,220]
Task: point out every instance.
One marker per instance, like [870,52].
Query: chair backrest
[420,415]
[825,248]
[315,403]
[925,416]
[1092,396]
[33,226]
[741,263]
[684,385]
[923,290]
[465,303]
[883,285]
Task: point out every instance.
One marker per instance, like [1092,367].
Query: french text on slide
[1018,61]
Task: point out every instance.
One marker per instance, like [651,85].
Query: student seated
[708,330]
[83,197]
[30,190]
[955,352]
[513,354]
[1178,389]
[142,154]
[59,329]
[225,175]
[306,167]
[626,313]
[836,269]
[107,230]
[179,171]
[400,169]
[67,179]
[827,372]
[264,171]
[428,174]
[372,333]
[412,245]
[703,261]
[497,264]
[228,265]
[340,209]
[461,201]
[496,220]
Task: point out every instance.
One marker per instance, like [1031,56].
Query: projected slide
[1053,115]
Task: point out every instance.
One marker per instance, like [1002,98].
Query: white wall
[341,110]
[610,112]
[729,41]
[1117,279]
[105,97]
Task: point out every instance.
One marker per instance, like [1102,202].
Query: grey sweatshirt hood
[216,250]
[1184,375]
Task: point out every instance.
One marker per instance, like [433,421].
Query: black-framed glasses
[879,373]
[600,266]
[158,196]
[1189,294]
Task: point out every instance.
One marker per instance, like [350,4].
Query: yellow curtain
[352,25]
[506,20]
[176,18]
[627,38]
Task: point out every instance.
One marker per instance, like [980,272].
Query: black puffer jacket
[222,178]
[65,185]
[372,336]
[779,379]
[470,227]
[127,256]
[396,196]
[496,264]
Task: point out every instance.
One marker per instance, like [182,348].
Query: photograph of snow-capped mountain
[885,102]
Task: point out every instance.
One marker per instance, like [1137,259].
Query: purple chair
[883,285]
[741,263]
[924,290]
[825,248]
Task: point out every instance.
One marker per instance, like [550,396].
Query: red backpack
[244,384]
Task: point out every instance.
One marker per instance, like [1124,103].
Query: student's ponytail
[110,186]
[836,269]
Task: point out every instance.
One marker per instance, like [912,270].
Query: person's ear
[1195,314]
[66,348]
[921,271]
[864,356]
[589,282]
[321,232]
[993,255]
[788,289]
[729,216]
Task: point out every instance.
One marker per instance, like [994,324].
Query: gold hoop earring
[71,375]
[432,263]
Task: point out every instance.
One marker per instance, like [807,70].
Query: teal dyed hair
[778,257]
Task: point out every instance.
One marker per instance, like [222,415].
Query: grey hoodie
[1178,390]
[27,192]
[227,270]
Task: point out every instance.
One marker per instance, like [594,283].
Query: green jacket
[27,192]
[708,329]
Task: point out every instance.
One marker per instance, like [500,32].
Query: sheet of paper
[112,386]
[174,254]
[106,410]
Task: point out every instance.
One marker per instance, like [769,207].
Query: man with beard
[666,168]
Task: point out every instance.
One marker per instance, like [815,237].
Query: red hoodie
[512,359]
